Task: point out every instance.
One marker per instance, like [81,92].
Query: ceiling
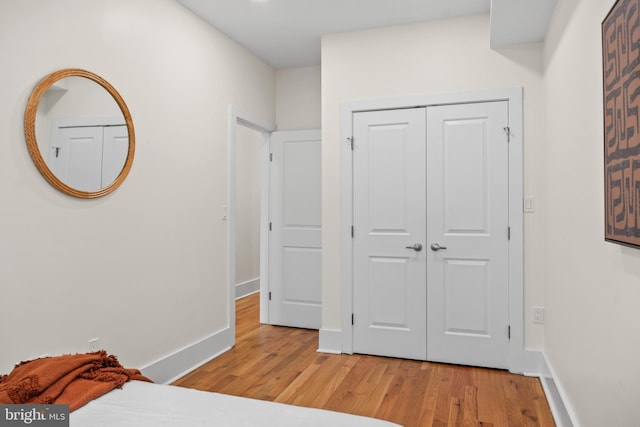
[286,33]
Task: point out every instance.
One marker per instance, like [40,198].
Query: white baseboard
[330,341]
[246,288]
[175,365]
[563,413]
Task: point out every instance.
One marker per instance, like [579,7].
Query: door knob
[416,247]
[437,247]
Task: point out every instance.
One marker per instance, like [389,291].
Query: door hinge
[353,319]
[270,226]
[351,141]
[508,233]
[271,157]
[269,295]
[353,231]
[509,332]
[507,130]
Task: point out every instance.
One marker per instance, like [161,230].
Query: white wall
[298,98]
[593,287]
[449,56]
[143,269]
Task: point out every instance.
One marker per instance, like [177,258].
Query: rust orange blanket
[73,379]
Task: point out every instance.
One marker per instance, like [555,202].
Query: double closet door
[88,157]
[430,204]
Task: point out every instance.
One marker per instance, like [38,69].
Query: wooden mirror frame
[32,143]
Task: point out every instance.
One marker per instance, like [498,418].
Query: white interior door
[295,239]
[389,283]
[467,199]
[75,157]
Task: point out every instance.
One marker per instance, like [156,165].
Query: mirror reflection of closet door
[88,158]
[75,157]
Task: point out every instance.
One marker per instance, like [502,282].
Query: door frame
[238,117]
[520,360]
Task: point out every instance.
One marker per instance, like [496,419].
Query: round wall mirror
[79,133]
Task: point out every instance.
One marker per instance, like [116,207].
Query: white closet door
[75,157]
[389,283]
[467,216]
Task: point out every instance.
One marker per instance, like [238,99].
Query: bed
[143,404]
[100,392]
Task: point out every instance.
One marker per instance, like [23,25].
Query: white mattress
[143,404]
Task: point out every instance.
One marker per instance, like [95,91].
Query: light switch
[529,204]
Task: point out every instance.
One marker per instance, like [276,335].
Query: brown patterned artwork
[621,74]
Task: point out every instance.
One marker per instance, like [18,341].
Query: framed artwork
[621,87]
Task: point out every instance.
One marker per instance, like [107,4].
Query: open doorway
[282,230]
[247,224]
[247,229]
[248,148]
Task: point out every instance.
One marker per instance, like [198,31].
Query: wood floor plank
[282,364]
[492,404]
[330,380]
[470,407]
[410,394]
[442,399]
[432,388]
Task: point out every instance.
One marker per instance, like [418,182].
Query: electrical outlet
[538,314]
[94,345]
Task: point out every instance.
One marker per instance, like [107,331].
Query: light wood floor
[281,364]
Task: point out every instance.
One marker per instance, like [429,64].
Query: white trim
[247,288]
[179,363]
[251,121]
[563,413]
[330,341]
[88,122]
[264,227]
[235,118]
[247,295]
[346,221]
[520,360]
